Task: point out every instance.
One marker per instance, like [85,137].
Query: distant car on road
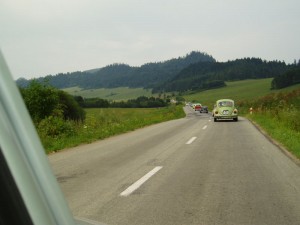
[225,110]
[204,109]
[197,107]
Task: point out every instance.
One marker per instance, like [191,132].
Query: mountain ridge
[114,75]
[194,71]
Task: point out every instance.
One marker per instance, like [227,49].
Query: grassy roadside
[103,123]
[278,115]
[278,130]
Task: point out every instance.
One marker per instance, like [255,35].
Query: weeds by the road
[103,123]
[278,114]
[279,129]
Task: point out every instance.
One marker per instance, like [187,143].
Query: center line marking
[138,183]
[191,140]
[204,127]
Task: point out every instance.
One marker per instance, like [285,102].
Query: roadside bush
[55,127]
[70,107]
[43,101]
[40,100]
[276,102]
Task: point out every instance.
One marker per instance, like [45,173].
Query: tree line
[207,75]
[286,79]
[146,76]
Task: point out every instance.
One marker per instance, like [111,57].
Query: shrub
[40,100]
[70,107]
[54,126]
[43,101]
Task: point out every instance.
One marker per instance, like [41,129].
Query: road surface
[182,172]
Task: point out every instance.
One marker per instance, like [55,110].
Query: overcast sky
[42,37]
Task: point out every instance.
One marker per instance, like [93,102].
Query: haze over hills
[194,71]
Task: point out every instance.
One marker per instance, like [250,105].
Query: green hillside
[237,90]
[114,94]
[148,75]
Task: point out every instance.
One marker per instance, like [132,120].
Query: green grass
[103,123]
[280,128]
[278,114]
[236,90]
[114,94]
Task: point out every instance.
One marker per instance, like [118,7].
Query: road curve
[186,171]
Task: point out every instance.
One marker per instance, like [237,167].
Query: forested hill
[206,75]
[149,75]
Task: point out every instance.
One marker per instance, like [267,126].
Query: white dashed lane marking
[191,140]
[139,183]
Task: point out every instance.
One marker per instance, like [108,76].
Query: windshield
[225,104]
[112,91]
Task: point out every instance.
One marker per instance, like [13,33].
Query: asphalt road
[182,172]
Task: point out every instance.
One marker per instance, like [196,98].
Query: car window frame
[26,158]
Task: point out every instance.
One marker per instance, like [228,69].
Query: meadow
[236,90]
[112,94]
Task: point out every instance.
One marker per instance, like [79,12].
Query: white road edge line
[204,127]
[142,180]
[191,140]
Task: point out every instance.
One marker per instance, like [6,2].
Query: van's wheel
[215,119]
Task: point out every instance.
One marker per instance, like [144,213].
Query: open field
[237,90]
[114,94]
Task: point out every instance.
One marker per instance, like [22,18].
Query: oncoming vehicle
[29,192]
[225,110]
